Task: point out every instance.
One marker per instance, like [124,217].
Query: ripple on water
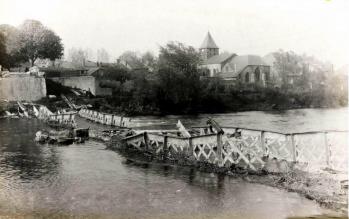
[87,179]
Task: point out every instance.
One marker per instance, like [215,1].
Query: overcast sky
[315,27]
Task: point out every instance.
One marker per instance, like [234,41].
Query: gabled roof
[208,42]
[66,64]
[90,64]
[240,63]
[92,70]
[245,60]
[218,59]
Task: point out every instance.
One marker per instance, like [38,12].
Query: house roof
[241,62]
[208,42]
[67,65]
[90,64]
[218,59]
[92,70]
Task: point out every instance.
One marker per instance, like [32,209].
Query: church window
[257,74]
[247,77]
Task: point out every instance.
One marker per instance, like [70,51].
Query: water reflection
[20,154]
[87,179]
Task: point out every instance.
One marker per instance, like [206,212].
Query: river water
[85,179]
[285,121]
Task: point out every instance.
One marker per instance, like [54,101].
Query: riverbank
[330,190]
[219,100]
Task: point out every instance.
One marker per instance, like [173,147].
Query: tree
[78,56]
[102,56]
[10,42]
[149,61]
[3,54]
[179,82]
[131,59]
[37,41]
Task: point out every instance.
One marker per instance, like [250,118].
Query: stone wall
[87,83]
[26,88]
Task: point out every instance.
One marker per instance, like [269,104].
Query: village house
[245,69]
[82,77]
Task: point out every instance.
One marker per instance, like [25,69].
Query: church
[230,67]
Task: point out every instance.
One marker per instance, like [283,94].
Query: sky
[314,27]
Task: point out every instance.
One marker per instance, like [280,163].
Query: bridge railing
[251,148]
[105,118]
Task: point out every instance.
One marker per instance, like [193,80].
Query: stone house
[245,69]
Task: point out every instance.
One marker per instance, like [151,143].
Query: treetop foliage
[30,41]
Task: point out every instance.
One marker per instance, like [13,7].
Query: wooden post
[121,121]
[294,148]
[219,149]
[112,120]
[190,149]
[327,148]
[146,141]
[165,147]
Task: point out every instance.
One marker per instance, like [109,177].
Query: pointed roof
[208,42]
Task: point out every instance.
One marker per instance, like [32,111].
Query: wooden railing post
[190,148]
[294,148]
[165,147]
[327,148]
[146,141]
[121,118]
[112,120]
[219,149]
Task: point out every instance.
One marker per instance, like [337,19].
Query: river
[85,179]
[298,120]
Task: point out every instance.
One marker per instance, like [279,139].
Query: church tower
[208,47]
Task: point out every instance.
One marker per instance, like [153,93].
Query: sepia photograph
[174,109]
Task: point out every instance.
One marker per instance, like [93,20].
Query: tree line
[27,43]
[171,84]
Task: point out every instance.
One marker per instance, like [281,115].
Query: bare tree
[78,55]
[102,55]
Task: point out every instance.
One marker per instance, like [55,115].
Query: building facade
[245,69]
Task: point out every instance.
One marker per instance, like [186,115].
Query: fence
[250,148]
[64,118]
[105,118]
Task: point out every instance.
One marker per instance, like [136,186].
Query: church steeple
[208,47]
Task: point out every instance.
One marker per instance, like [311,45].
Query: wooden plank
[182,129]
